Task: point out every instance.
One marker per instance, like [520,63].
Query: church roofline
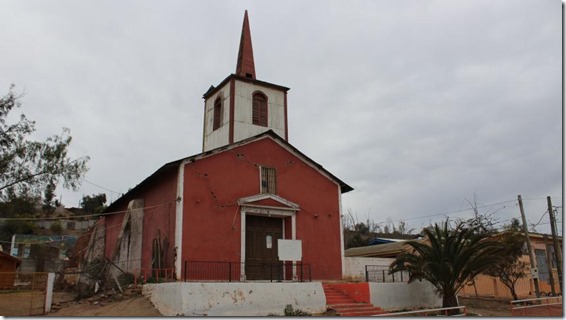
[212,90]
[173,165]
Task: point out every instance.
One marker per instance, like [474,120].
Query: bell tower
[242,106]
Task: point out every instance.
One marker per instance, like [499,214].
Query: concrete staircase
[346,306]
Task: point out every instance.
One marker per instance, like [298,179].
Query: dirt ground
[131,304]
[486,307]
[137,305]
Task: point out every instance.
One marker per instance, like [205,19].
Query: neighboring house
[69,219]
[484,285]
[233,202]
[8,267]
[42,253]
[543,250]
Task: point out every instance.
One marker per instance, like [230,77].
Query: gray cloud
[417,105]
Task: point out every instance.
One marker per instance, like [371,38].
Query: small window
[259,116]
[268,180]
[217,114]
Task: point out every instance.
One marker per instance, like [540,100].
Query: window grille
[268,180]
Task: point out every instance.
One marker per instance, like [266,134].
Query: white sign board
[290,250]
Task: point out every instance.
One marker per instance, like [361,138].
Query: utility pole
[531,260]
[549,264]
[557,248]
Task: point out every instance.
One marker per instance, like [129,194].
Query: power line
[74,217]
[455,211]
[106,228]
[101,187]
[536,224]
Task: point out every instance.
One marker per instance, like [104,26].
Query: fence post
[32,289]
[402,276]
[49,292]
[270,272]
[310,273]
[383,274]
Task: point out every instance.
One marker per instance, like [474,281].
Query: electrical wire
[539,220]
[73,217]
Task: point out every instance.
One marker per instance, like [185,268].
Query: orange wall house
[492,287]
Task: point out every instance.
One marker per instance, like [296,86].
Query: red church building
[228,206]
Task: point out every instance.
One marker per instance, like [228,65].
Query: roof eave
[212,90]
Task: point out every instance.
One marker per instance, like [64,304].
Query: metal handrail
[228,271]
[425,311]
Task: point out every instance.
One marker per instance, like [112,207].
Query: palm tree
[453,258]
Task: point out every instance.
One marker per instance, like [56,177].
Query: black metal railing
[226,271]
[381,274]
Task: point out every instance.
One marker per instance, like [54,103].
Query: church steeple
[242,106]
[245,66]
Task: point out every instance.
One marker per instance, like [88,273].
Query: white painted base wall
[355,267]
[234,299]
[402,295]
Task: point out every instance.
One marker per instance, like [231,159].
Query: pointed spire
[245,66]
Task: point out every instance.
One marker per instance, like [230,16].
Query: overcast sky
[415,104]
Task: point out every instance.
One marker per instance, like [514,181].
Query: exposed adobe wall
[211,225]
[158,221]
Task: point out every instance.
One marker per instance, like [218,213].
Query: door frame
[247,206]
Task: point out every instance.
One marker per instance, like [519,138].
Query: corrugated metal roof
[385,250]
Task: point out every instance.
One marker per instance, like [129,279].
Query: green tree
[451,259]
[48,195]
[12,227]
[94,203]
[21,204]
[27,165]
[484,221]
[511,268]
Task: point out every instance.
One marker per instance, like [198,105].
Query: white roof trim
[248,201]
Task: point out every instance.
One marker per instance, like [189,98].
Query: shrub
[289,312]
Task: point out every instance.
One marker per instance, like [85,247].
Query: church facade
[219,215]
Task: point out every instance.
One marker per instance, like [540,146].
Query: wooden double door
[262,260]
